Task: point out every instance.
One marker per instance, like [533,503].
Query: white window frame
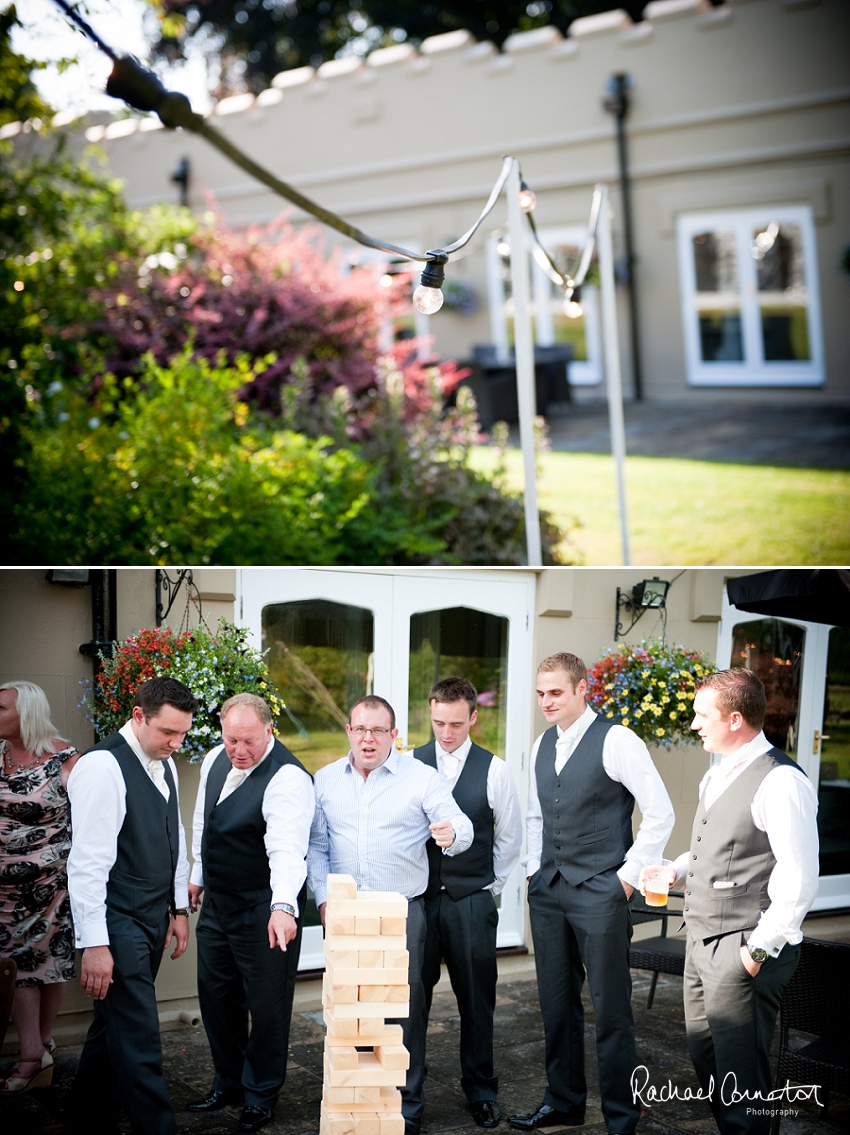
[753,370]
[581,372]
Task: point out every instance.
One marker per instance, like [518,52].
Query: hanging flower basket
[213,666]
[650,689]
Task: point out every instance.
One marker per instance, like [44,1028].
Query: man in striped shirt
[375,810]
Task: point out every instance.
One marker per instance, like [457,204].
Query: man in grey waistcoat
[249,844]
[460,908]
[127,879]
[583,864]
[749,878]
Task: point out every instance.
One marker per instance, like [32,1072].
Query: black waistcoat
[233,851]
[587,816]
[141,882]
[472,870]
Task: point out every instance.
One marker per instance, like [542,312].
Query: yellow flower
[672,716]
[625,721]
[659,732]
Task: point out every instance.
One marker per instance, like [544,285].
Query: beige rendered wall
[735,107]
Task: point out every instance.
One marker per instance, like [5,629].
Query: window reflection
[774,650]
[778,253]
[718,299]
[834,786]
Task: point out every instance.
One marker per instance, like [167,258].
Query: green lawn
[691,512]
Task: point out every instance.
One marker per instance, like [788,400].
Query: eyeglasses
[361,730]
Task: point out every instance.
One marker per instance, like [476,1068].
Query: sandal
[41,1078]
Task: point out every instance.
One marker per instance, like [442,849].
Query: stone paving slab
[519,1064]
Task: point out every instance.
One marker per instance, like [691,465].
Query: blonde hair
[250,701]
[38,732]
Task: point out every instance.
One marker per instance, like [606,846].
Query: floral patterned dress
[35,838]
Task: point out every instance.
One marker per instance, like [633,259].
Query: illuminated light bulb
[572,303]
[503,248]
[427,300]
[527,199]
[386,280]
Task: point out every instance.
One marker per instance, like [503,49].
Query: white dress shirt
[784,808]
[626,760]
[503,800]
[288,806]
[375,829]
[98,795]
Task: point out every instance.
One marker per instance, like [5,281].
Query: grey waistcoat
[727,848]
[587,816]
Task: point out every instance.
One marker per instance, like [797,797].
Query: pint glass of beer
[657,883]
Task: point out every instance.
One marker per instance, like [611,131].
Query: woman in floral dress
[35,838]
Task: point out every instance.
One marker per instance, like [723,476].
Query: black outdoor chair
[660,954]
[8,975]
[816,1001]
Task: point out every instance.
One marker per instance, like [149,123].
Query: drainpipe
[617,104]
[104,614]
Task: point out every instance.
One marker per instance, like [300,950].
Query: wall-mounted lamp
[68,577]
[182,176]
[649,594]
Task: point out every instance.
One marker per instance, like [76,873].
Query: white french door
[334,635]
[799,663]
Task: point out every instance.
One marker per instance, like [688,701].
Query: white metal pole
[524,354]
[612,361]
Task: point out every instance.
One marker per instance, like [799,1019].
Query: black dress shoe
[253,1117]
[546,1116]
[486,1113]
[215,1101]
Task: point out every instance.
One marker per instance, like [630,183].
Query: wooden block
[395,993]
[377,1032]
[338,993]
[343,959]
[374,942]
[367,1123]
[370,959]
[367,925]
[396,959]
[336,925]
[368,1009]
[338,1097]
[387,1103]
[339,1027]
[369,1073]
[335,1123]
[341,887]
[392,1055]
[367,1095]
[372,993]
[366,976]
[392,1124]
[342,1057]
[379,903]
[393,926]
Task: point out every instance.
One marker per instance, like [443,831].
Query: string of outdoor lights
[142,90]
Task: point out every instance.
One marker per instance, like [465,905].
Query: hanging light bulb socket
[527,198]
[428,297]
[572,302]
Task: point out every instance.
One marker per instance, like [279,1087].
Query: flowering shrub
[650,689]
[213,666]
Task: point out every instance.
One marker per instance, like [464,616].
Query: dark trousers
[578,930]
[730,1019]
[462,933]
[121,1061]
[239,974]
[414,1026]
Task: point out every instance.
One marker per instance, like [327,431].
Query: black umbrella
[815,595]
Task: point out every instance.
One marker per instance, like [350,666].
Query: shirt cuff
[761,941]
[630,873]
[196,878]
[91,933]
[181,895]
[281,894]
[531,865]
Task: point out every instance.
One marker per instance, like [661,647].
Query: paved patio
[762,431]
[519,1063]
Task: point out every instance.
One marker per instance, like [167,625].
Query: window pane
[459,641]
[716,262]
[778,253]
[834,786]
[720,337]
[320,657]
[774,650]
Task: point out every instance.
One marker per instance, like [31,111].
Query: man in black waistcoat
[583,864]
[460,908]
[127,879]
[750,877]
[249,844]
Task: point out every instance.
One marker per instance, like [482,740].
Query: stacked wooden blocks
[365,982]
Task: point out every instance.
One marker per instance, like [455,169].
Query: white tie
[563,748]
[451,766]
[234,779]
[157,774]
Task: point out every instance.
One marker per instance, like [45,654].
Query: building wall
[731,108]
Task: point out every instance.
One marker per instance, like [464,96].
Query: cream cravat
[234,779]
[563,748]
[157,774]
[451,765]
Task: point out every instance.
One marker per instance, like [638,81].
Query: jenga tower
[365,982]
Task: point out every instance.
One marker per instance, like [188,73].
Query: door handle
[818,738]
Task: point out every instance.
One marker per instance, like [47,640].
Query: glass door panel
[718,297]
[773,649]
[783,305]
[834,737]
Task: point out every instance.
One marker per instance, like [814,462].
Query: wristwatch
[759,956]
[184,910]
[285,907]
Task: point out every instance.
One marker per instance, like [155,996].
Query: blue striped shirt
[376,829]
